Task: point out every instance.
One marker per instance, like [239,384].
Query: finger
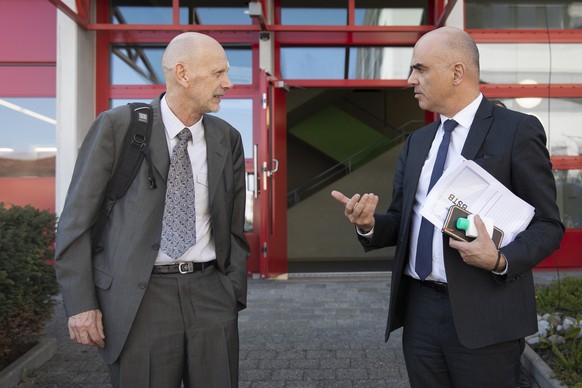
[481,228]
[369,203]
[340,197]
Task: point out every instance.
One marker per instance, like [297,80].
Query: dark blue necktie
[423,265]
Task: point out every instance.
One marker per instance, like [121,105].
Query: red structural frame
[303,36]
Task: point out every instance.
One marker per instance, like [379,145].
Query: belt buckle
[186,267]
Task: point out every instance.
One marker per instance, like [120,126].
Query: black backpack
[135,149]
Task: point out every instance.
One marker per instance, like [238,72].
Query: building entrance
[347,140]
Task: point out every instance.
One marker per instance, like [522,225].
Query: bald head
[445,71]
[195,67]
[454,45]
[187,47]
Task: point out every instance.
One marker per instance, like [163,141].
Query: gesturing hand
[359,209]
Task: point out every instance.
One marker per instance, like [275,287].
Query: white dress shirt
[464,119]
[203,250]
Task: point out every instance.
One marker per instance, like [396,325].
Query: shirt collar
[465,117]
[173,124]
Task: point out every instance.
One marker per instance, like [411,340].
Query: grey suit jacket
[487,309]
[115,279]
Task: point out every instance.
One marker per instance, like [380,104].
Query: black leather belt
[183,267]
[441,287]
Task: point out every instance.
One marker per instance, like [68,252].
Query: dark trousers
[186,330]
[435,357]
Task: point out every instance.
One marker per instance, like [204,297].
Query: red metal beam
[566,162]
[152,91]
[81,22]
[343,83]
[348,35]
[167,35]
[540,90]
[526,36]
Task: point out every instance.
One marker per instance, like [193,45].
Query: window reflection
[542,63]
[141,64]
[376,13]
[294,12]
[520,14]
[239,114]
[345,62]
[27,137]
[569,198]
[561,118]
[190,12]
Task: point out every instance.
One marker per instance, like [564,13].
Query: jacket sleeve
[532,180]
[73,257]
[239,247]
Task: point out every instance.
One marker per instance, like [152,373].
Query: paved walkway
[305,332]
[311,331]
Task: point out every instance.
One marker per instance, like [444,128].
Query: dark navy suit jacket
[487,308]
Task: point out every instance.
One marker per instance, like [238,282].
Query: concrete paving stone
[319,374]
[305,364]
[351,373]
[287,374]
[273,364]
[334,363]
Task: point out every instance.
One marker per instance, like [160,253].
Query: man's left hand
[481,252]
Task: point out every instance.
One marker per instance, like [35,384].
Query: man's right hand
[87,328]
[359,209]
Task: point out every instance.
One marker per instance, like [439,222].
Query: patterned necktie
[423,265]
[179,223]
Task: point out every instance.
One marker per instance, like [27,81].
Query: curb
[34,358]
[540,371]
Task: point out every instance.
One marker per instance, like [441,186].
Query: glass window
[569,198]
[195,12]
[520,14]
[382,13]
[27,137]
[314,13]
[561,118]
[142,64]
[239,114]
[345,62]
[143,14]
[530,63]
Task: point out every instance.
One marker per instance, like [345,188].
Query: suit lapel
[418,153]
[216,156]
[159,143]
[479,130]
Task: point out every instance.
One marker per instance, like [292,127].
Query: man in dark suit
[465,318]
[162,316]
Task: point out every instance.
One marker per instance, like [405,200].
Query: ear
[458,73]
[181,75]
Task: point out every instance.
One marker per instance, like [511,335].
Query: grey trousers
[185,331]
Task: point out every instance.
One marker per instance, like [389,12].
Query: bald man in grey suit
[160,321]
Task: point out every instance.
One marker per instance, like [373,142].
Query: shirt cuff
[364,234]
[505,270]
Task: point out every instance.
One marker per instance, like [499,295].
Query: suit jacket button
[142,285]
[156,247]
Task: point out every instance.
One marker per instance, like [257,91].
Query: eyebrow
[417,66]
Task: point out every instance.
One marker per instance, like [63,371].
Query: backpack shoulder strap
[134,149]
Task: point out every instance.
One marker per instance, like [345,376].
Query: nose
[227,84]
[412,80]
